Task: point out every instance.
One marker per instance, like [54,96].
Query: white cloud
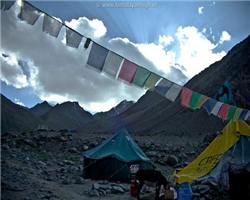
[11,72]
[18,102]
[164,40]
[224,37]
[88,28]
[200,10]
[58,73]
[196,51]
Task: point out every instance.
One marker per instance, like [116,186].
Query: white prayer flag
[173,92]
[51,26]
[112,64]
[216,108]
[73,39]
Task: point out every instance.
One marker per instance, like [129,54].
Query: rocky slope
[68,115]
[120,108]
[155,114]
[41,108]
[17,118]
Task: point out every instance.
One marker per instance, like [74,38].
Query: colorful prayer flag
[112,64]
[224,111]
[152,80]
[173,92]
[209,105]
[186,96]
[128,71]
[97,57]
[225,93]
[247,115]
[231,112]
[51,26]
[29,13]
[216,108]
[243,114]
[201,101]
[237,114]
[73,39]
[194,100]
[141,76]
[163,86]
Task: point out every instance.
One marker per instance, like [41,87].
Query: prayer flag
[243,114]
[194,100]
[73,39]
[152,80]
[163,86]
[141,76]
[29,13]
[97,57]
[112,64]
[128,71]
[224,111]
[225,93]
[231,112]
[201,101]
[247,116]
[237,114]
[6,5]
[173,92]
[216,108]
[209,105]
[51,26]
[186,96]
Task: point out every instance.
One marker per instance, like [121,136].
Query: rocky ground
[48,165]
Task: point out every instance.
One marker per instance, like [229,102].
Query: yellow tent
[211,156]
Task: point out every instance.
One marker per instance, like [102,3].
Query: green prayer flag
[231,112]
[152,80]
[194,100]
[141,76]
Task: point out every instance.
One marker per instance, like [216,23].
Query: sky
[174,39]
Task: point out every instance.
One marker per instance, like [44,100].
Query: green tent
[112,159]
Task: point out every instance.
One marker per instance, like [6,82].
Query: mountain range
[152,113]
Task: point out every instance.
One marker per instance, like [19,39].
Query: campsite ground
[49,165]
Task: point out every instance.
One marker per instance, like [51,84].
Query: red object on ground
[133,187]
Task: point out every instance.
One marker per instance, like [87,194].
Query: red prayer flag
[224,111]
[128,71]
[186,96]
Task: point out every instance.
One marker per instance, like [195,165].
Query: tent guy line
[128,71]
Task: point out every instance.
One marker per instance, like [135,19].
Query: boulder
[172,160]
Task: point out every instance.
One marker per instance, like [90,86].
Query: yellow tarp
[210,157]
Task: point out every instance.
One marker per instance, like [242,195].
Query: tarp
[211,156]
